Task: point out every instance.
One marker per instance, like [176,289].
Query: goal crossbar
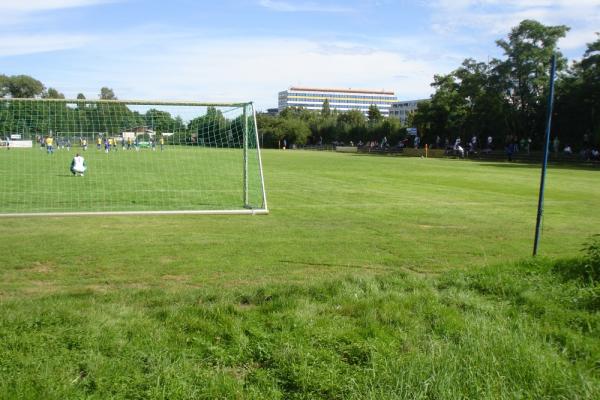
[134,102]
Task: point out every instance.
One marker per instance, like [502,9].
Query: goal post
[139,157]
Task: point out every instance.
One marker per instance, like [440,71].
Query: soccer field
[372,277]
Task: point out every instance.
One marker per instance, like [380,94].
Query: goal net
[134,157]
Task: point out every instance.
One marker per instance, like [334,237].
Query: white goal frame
[246,210]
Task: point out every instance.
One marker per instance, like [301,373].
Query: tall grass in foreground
[524,330]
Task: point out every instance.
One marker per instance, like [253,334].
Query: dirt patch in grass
[165,260]
[176,278]
[42,267]
[41,288]
[239,372]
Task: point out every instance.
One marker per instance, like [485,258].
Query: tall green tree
[52,93]
[159,121]
[590,71]
[525,71]
[107,94]
[326,110]
[4,80]
[485,101]
[577,116]
[352,118]
[373,114]
[23,86]
[448,107]
[80,96]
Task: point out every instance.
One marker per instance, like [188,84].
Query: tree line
[80,119]
[507,98]
[297,125]
[25,86]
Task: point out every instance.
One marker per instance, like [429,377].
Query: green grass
[179,178]
[373,277]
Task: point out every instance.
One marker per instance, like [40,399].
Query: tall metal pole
[540,210]
[245,133]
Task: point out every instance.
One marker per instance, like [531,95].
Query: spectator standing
[523,144]
[586,140]
[556,144]
[458,149]
[384,142]
[510,149]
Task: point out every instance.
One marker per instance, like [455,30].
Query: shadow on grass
[536,165]
[499,162]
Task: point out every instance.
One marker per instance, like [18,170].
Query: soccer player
[162,143]
[98,143]
[84,144]
[78,166]
[49,145]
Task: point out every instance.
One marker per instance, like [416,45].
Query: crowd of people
[512,145]
[108,144]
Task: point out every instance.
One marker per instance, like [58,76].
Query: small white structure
[23,144]
[128,135]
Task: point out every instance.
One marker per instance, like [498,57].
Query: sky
[249,50]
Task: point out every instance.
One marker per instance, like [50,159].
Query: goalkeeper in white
[78,165]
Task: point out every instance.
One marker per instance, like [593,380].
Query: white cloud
[27,6]
[11,45]
[236,69]
[302,6]
[577,38]
[25,13]
[495,18]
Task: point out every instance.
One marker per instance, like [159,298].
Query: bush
[587,269]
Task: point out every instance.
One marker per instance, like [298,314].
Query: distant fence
[403,151]
[496,155]
[316,147]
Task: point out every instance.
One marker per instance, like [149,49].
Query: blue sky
[238,50]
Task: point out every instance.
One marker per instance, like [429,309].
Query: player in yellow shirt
[49,145]
[162,143]
[99,143]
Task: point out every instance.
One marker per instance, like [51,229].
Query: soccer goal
[135,157]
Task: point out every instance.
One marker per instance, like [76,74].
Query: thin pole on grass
[245,169]
[540,210]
